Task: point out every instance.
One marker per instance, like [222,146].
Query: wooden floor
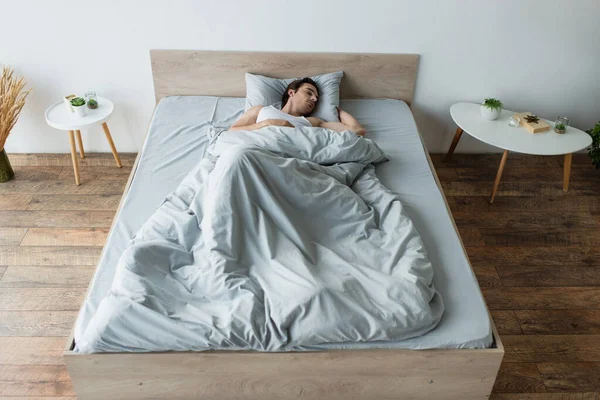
[535,252]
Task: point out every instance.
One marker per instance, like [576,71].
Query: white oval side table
[57,116]
[498,133]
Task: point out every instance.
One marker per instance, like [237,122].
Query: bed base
[333,374]
[341,374]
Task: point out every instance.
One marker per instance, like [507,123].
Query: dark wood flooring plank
[57,219]
[41,299]
[32,350]
[487,276]
[506,322]
[558,322]
[571,377]
[65,237]
[544,236]
[471,236]
[535,256]
[586,188]
[45,276]
[493,160]
[64,160]
[525,204]
[97,173]
[506,189]
[446,174]
[546,298]
[526,221]
[519,378]
[57,202]
[580,160]
[540,275]
[48,255]
[585,175]
[62,187]
[10,202]
[37,173]
[551,348]
[545,396]
[11,236]
[37,323]
[516,174]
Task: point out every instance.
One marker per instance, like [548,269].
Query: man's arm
[247,122]
[347,122]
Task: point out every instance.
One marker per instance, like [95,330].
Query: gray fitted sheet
[177,139]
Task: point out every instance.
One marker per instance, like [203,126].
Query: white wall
[535,55]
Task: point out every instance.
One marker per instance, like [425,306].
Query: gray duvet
[279,239]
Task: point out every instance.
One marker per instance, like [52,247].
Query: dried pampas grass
[12,100]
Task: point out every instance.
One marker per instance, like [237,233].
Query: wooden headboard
[221,73]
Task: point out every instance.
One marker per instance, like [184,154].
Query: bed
[458,359]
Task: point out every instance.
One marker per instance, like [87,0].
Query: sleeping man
[298,101]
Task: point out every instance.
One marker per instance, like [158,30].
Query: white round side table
[59,117]
[517,139]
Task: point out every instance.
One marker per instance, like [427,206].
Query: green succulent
[594,149]
[493,104]
[77,102]
[560,127]
[92,103]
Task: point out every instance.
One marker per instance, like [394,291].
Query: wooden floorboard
[535,253]
[544,275]
[11,202]
[64,160]
[31,276]
[568,377]
[49,255]
[519,378]
[12,236]
[56,219]
[551,348]
[57,202]
[37,323]
[545,396]
[65,237]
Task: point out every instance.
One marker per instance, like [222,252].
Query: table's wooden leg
[80,143]
[74,156]
[567,171]
[457,136]
[112,144]
[498,176]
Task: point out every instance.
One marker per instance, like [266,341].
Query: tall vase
[6,171]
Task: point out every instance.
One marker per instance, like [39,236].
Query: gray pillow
[265,91]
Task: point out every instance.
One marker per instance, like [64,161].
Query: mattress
[179,133]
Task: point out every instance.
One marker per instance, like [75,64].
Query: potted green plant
[92,104]
[594,149]
[491,109]
[560,128]
[78,104]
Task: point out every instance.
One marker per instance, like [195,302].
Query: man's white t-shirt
[271,112]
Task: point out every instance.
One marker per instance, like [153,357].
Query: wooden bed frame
[336,374]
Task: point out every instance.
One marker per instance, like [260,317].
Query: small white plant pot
[80,111]
[489,114]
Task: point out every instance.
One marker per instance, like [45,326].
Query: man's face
[304,99]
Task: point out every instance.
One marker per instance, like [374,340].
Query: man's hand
[347,122]
[276,122]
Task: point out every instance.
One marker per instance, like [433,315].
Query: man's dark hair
[295,86]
